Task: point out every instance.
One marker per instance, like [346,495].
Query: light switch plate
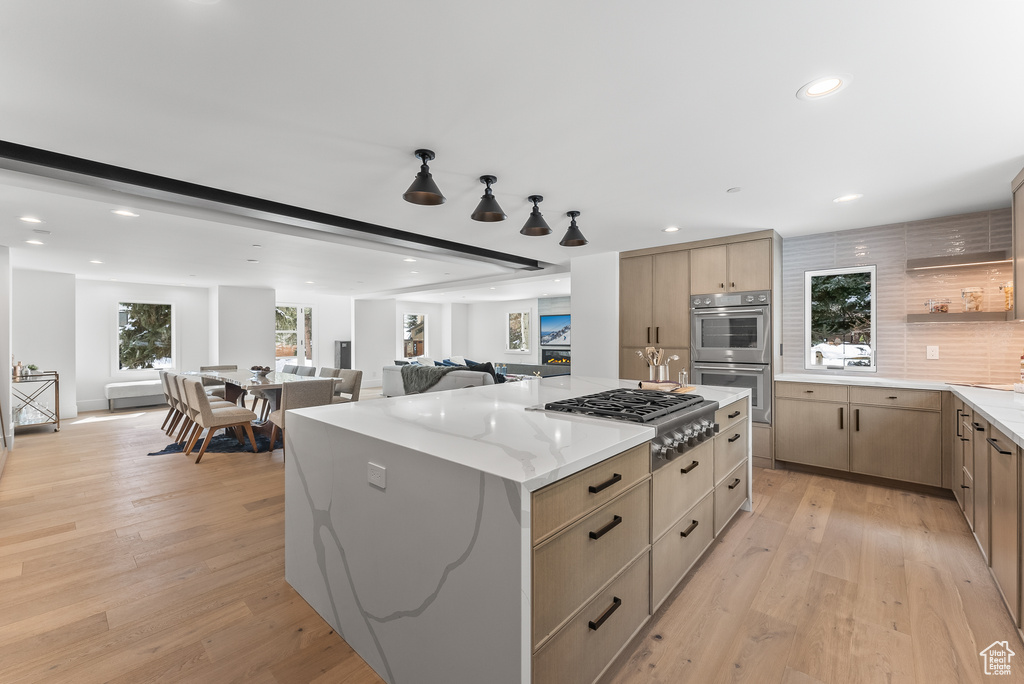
[933,352]
[376,475]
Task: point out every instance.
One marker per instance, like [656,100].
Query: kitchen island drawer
[903,398]
[569,499]
[733,413]
[730,449]
[812,390]
[675,553]
[569,567]
[584,648]
[679,485]
[729,496]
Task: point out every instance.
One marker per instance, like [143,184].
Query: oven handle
[729,367]
[725,310]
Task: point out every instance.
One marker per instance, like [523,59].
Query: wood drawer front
[730,450]
[812,390]
[728,501]
[569,499]
[734,412]
[903,398]
[578,654]
[673,492]
[571,566]
[673,555]
[968,488]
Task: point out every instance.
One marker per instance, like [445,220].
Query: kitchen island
[410,524]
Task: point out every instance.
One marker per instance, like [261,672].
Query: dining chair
[308,371]
[174,394]
[212,419]
[289,368]
[167,398]
[212,387]
[348,383]
[326,372]
[296,395]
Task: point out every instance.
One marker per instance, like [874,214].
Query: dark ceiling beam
[54,165]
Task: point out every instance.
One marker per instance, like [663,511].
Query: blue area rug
[220,444]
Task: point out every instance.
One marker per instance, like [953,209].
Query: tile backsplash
[968,352]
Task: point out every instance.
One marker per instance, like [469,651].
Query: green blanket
[416,379]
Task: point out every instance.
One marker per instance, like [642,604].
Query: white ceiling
[639,115]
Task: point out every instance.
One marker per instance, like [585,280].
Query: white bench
[150,389]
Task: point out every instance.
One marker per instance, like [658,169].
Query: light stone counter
[428,579]
[861,379]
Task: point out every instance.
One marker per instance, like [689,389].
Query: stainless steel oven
[755,377]
[731,328]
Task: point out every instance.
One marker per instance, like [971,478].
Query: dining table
[239,383]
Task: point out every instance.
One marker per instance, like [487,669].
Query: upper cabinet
[1018,243]
[654,292]
[734,267]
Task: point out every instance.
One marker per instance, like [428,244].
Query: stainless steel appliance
[681,421]
[755,377]
[731,345]
[731,328]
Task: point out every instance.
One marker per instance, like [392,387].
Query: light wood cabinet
[898,444]
[654,311]
[812,431]
[675,552]
[1005,521]
[982,485]
[1017,189]
[636,296]
[730,494]
[735,267]
[958,451]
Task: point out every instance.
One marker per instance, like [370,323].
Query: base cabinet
[812,432]
[1005,518]
[899,444]
[982,485]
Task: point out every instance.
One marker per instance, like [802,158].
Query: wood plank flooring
[121,567]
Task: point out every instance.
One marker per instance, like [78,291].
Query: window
[294,337]
[839,318]
[414,335]
[518,332]
[144,336]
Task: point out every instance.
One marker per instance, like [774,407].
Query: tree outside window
[840,318]
[144,336]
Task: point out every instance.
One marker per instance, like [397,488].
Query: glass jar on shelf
[935,306]
[973,299]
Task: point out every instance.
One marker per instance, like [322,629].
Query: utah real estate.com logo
[997,658]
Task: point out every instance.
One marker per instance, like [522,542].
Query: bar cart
[27,394]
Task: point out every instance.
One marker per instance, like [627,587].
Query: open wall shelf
[973,317]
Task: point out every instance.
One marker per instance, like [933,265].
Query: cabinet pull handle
[964,439]
[607,528]
[594,489]
[893,397]
[733,415]
[734,437]
[808,391]
[721,285]
[735,483]
[995,445]
[648,334]
[688,530]
[964,487]
[856,420]
[596,624]
[841,417]
[690,467]
[979,427]
[959,412]
[657,334]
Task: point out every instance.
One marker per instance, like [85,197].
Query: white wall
[459,330]
[5,348]
[375,338]
[43,328]
[332,320]
[595,315]
[96,332]
[244,325]
[487,324]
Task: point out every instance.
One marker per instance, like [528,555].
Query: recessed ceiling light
[494,288]
[413,272]
[670,229]
[124,212]
[558,280]
[544,295]
[310,282]
[847,198]
[409,259]
[95,261]
[31,219]
[253,261]
[823,87]
[34,242]
[734,190]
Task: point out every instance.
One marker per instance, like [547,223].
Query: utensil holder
[659,373]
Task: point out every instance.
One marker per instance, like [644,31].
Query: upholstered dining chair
[296,395]
[326,372]
[167,397]
[212,387]
[212,419]
[308,371]
[177,402]
[289,368]
[189,426]
[346,387]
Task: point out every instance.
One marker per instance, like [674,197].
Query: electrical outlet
[376,475]
[933,352]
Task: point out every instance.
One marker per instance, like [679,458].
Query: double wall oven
[731,345]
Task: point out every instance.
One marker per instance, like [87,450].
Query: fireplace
[554,357]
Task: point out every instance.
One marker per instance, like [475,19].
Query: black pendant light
[423,189]
[536,225]
[573,237]
[488,209]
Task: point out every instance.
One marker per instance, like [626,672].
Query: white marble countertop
[861,379]
[490,429]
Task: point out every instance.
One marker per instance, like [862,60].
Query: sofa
[392,385]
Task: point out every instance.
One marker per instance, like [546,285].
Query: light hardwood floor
[121,567]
